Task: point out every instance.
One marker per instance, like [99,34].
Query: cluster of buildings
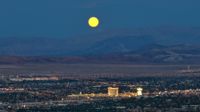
[39,78]
[11,90]
[112,92]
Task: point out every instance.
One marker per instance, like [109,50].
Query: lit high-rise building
[113,91]
[139,91]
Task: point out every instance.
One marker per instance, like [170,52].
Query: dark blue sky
[66,18]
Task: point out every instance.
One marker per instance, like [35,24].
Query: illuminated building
[113,91]
[139,91]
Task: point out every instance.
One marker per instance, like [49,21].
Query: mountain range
[141,45]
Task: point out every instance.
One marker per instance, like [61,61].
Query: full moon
[93,22]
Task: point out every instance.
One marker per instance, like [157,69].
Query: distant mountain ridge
[151,54]
[145,45]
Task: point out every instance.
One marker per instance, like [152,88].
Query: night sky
[68,18]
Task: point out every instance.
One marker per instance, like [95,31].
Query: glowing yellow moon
[93,22]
